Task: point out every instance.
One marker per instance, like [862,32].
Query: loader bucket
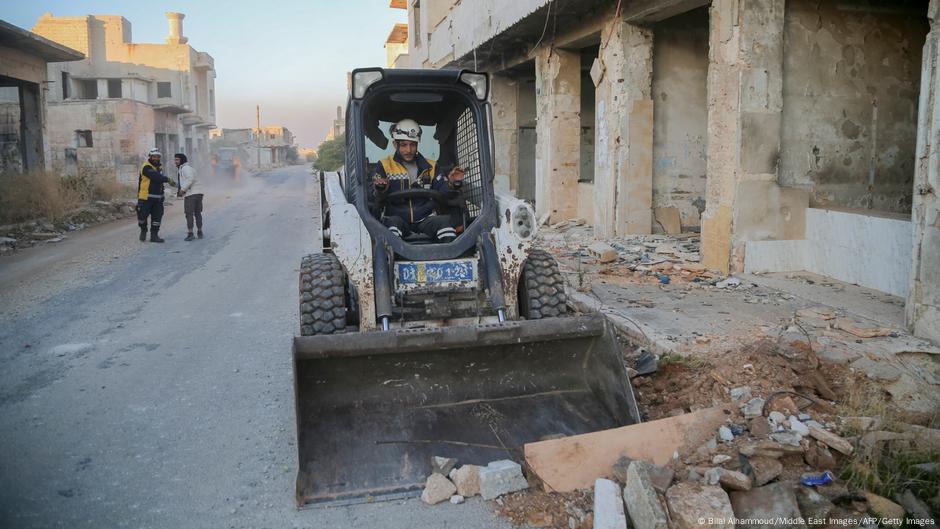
[373,407]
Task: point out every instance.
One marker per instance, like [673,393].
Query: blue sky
[289,56]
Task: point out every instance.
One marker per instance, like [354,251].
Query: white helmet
[406,129]
[154,152]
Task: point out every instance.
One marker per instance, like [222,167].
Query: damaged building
[793,134]
[124,98]
[24,144]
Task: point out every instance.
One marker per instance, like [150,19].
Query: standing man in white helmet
[407,169]
[150,196]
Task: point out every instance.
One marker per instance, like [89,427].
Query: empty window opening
[114,88]
[65,85]
[163,89]
[83,138]
[89,89]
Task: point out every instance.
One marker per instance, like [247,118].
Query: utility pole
[258,137]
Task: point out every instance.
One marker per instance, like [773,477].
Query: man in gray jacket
[191,190]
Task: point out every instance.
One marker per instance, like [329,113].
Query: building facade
[107,111]
[794,134]
[24,56]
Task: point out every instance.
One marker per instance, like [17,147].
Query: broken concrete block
[818,456]
[642,500]
[776,418]
[798,427]
[437,489]
[608,507]
[772,505]
[764,470]
[883,507]
[442,465]
[787,438]
[753,408]
[467,480]
[721,459]
[741,393]
[770,449]
[690,504]
[457,499]
[813,505]
[725,434]
[603,252]
[832,440]
[759,427]
[733,480]
[660,476]
[619,470]
[501,477]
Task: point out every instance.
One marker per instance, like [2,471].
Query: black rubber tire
[322,295]
[542,288]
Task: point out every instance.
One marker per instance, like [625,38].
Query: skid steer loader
[412,348]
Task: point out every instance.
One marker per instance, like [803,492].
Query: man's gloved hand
[380,183]
[170,182]
[181,193]
[455,177]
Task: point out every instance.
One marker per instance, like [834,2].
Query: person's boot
[189,236]
[143,233]
[198,234]
[155,235]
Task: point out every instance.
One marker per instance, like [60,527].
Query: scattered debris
[467,480]
[832,440]
[437,489]
[771,505]
[642,500]
[608,506]
[457,499]
[691,504]
[603,252]
[646,363]
[442,465]
[883,507]
[500,477]
[764,469]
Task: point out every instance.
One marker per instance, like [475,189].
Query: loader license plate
[459,272]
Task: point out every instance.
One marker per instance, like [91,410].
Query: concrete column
[504,96]
[923,300]
[623,149]
[745,103]
[558,130]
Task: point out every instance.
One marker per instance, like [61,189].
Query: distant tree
[292,154]
[331,155]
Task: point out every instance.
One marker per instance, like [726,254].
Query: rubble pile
[26,234]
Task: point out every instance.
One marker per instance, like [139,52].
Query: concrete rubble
[437,489]
[15,237]
[608,506]
[690,504]
[467,480]
[501,477]
[642,500]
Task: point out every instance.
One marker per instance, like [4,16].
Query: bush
[331,155]
[42,194]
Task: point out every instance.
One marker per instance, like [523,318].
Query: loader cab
[451,107]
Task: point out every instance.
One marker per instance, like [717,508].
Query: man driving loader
[408,169]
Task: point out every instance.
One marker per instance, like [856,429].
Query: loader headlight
[523,221]
[362,80]
[479,82]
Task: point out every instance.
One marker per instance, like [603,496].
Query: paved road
[150,386]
